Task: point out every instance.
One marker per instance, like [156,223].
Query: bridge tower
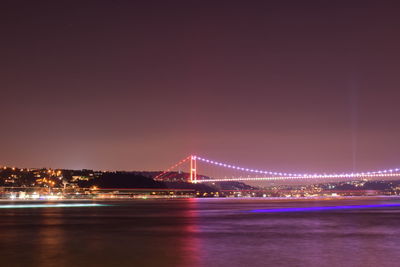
[193,169]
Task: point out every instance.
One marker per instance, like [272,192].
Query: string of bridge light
[276,178]
[288,175]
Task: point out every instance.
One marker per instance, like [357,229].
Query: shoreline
[270,199]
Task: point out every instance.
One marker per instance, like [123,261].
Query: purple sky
[138,85]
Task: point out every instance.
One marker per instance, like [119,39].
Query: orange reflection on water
[50,244]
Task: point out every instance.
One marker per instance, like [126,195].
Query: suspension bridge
[229,172]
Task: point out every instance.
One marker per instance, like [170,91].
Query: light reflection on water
[44,205]
[202,232]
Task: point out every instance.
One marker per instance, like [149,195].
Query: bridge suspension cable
[260,175]
[275,178]
[379,173]
[158,177]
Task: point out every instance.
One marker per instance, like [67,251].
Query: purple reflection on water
[324,208]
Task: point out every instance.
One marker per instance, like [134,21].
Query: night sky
[138,85]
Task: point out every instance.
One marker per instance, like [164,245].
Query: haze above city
[138,86]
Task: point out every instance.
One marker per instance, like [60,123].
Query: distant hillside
[138,180]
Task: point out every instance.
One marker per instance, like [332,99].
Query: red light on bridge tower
[193,169]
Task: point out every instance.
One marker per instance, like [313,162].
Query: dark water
[201,232]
